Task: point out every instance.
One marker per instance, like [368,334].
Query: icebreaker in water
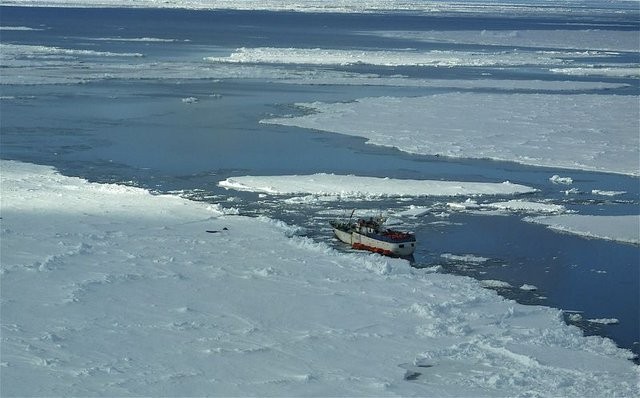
[371,235]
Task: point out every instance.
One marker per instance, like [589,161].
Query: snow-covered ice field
[109,290]
[350,186]
[618,228]
[505,135]
[580,132]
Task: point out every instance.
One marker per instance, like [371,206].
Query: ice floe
[26,50]
[604,321]
[110,290]
[526,206]
[467,258]
[607,193]
[618,228]
[436,58]
[588,132]
[569,39]
[610,71]
[556,179]
[494,284]
[515,205]
[366,187]
[19,28]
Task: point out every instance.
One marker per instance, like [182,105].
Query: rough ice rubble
[51,66]
[114,291]
[437,58]
[9,50]
[588,132]
[362,187]
[514,205]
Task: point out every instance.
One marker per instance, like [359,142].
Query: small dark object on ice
[216,231]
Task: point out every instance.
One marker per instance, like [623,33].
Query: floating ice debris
[466,205]
[605,321]
[528,287]
[575,317]
[467,258]
[572,191]
[556,179]
[607,193]
[495,284]
[525,206]
[190,100]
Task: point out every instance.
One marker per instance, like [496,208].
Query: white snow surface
[322,184]
[585,131]
[110,290]
[618,228]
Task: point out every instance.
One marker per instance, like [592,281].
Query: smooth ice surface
[109,290]
[588,132]
[359,186]
[618,228]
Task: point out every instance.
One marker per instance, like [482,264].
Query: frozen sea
[178,101]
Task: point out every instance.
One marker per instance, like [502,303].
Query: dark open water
[134,128]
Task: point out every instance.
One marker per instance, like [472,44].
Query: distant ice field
[49,65]
[583,39]
[466,6]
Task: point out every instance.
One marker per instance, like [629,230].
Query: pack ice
[110,290]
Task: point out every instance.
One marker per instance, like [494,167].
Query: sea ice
[515,205]
[604,321]
[467,258]
[607,193]
[437,58]
[350,6]
[588,132]
[494,284]
[618,228]
[556,179]
[110,290]
[368,187]
[567,39]
[526,206]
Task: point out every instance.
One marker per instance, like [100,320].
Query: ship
[370,234]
